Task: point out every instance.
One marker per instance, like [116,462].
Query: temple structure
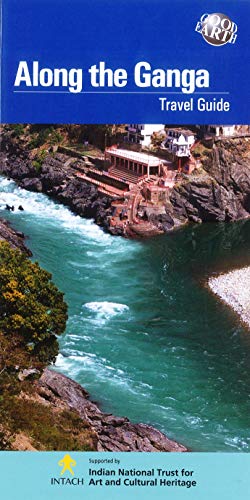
[180,141]
[123,161]
[140,183]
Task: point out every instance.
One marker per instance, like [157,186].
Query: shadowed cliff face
[218,191]
[229,164]
[221,190]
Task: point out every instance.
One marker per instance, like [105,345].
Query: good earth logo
[217,29]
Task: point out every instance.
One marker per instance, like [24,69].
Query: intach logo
[217,29]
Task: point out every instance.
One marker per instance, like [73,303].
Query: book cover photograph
[124,250]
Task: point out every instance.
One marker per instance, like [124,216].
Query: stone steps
[124,175]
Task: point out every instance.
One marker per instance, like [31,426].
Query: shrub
[32,310]
[37,163]
[55,138]
[45,427]
[18,129]
[41,138]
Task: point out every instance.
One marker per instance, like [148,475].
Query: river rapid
[145,336]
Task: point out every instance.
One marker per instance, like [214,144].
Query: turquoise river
[145,336]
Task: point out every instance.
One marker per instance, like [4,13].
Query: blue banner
[122,61]
[153,61]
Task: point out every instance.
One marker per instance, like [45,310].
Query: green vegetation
[32,314]
[55,137]
[35,136]
[32,310]
[44,135]
[98,135]
[45,428]
[18,129]
[40,138]
[157,139]
[201,150]
[40,157]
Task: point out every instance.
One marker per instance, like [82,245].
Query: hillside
[218,190]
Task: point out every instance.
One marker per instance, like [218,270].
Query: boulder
[27,373]
[14,238]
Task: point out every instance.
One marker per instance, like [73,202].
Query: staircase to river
[124,175]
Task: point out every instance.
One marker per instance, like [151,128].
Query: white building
[141,134]
[179,141]
[225,130]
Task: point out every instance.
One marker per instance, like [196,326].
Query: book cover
[124,249]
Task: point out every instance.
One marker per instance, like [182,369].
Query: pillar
[179,164]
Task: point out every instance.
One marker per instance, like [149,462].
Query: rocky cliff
[55,177]
[111,433]
[49,411]
[219,190]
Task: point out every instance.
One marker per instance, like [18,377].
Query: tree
[32,309]
[157,138]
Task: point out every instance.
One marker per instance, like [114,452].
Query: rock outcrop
[217,191]
[220,191]
[112,433]
[55,178]
[14,238]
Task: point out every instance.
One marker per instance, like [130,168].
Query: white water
[43,208]
[142,336]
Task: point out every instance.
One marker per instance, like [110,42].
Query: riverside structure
[140,164]
[137,182]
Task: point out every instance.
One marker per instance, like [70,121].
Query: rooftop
[145,159]
[183,131]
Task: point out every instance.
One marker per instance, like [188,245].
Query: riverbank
[234,289]
[217,191]
[47,396]
[111,433]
